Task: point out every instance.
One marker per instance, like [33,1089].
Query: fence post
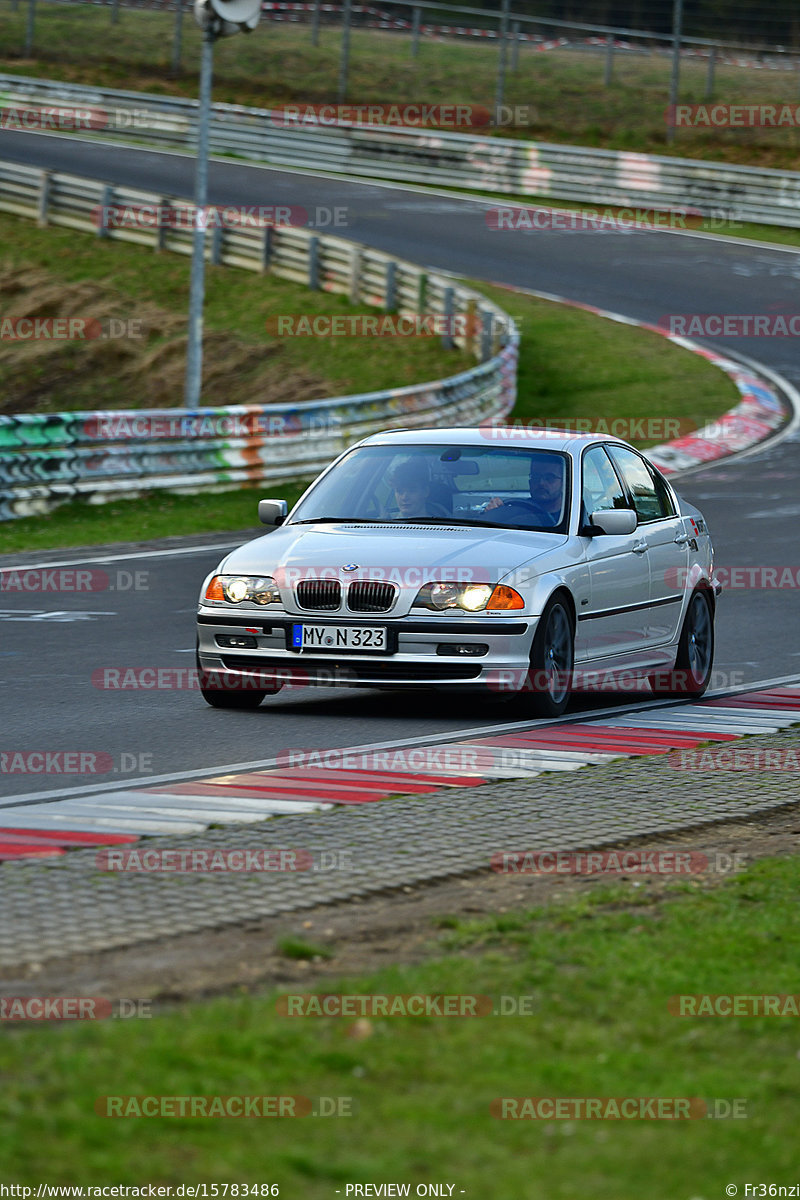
[344,61]
[515,40]
[415,22]
[390,294]
[609,70]
[177,38]
[501,63]
[29,26]
[44,197]
[266,248]
[712,62]
[315,23]
[165,211]
[313,263]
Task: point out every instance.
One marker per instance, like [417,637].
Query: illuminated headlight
[259,589]
[469,597]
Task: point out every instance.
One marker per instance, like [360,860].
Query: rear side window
[650,496]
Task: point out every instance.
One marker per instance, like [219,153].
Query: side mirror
[272,512]
[614,521]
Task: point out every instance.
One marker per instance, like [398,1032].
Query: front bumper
[495,651]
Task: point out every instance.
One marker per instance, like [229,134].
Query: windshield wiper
[439,521]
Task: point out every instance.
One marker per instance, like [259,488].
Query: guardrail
[47,459]
[499,165]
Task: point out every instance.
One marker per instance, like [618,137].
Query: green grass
[161,514]
[58,272]
[563,89]
[599,973]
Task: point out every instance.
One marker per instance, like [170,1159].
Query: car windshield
[471,485]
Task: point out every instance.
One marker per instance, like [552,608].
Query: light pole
[216,18]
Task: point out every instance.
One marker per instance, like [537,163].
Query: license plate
[366,638]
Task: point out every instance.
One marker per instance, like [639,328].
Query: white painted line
[107,558]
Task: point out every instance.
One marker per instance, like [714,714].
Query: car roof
[497,435]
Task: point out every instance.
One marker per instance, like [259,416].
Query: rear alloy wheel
[222,689]
[549,680]
[692,671]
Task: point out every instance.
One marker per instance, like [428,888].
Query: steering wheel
[528,506]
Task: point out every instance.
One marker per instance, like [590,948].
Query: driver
[546,484]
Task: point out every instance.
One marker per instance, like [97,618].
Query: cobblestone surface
[69,905]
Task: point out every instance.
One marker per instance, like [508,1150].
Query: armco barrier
[46,459]
[498,165]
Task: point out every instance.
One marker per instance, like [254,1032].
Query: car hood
[491,552]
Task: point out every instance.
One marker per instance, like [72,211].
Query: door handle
[681,539]
[639,547]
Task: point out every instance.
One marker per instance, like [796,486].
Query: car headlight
[469,597]
[259,589]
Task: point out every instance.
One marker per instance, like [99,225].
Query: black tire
[695,658]
[221,691]
[549,682]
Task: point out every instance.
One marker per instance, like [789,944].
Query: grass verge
[598,973]
[562,91]
[55,272]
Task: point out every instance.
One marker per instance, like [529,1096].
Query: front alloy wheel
[692,671]
[549,680]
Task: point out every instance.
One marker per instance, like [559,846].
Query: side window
[651,502]
[600,487]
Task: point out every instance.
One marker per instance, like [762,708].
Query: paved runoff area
[106,870]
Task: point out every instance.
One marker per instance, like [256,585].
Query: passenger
[410,481]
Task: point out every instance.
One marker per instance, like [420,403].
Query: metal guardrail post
[216,245]
[487,323]
[114,12]
[44,196]
[165,208]
[390,293]
[315,23]
[356,259]
[266,248]
[106,202]
[313,263]
[448,309]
